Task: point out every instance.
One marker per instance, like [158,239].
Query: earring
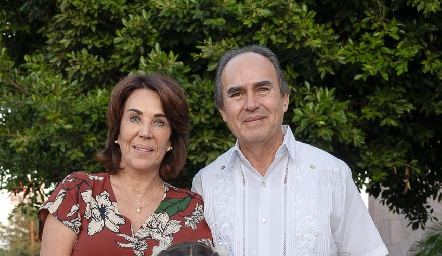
[169,149]
[117,142]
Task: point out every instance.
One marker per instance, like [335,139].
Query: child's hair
[189,249]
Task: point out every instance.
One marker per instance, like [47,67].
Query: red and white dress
[86,204]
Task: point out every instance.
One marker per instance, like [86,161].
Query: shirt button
[264,184]
[263,220]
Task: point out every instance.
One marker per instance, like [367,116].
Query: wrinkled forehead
[248,68]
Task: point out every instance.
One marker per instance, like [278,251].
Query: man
[270,194]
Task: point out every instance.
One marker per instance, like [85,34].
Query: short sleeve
[355,232]
[63,203]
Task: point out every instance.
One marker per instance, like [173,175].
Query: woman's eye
[159,122]
[134,119]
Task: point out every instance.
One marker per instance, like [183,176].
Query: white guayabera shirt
[306,204]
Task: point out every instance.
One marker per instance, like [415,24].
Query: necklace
[136,202]
[136,189]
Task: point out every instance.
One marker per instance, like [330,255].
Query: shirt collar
[289,141]
[288,144]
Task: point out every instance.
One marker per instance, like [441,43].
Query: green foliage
[431,243]
[365,78]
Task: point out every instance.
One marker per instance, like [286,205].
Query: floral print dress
[87,205]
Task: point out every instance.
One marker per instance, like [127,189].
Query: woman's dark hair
[175,107]
[188,249]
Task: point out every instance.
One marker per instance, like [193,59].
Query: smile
[254,119]
[143,149]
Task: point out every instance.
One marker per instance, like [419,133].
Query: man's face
[253,106]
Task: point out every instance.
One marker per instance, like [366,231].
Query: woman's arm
[57,238]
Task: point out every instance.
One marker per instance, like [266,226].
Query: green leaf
[173,206]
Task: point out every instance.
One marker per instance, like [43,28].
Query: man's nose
[251,101]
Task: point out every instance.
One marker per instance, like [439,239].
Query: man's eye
[236,94]
[264,89]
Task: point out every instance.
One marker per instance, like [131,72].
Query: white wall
[393,227]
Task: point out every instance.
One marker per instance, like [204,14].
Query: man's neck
[261,155]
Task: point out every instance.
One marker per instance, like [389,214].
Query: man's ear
[285,102]
[223,114]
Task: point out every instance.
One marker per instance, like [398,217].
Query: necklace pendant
[139,193]
[138,210]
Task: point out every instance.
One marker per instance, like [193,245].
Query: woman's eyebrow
[140,112]
[135,110]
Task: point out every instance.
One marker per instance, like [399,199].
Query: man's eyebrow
[262,83]
[234,89]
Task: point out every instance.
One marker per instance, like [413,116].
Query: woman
[129,210]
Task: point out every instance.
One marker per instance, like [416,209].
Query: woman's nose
[145,131]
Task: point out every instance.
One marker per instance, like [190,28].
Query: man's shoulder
[304,150]
[219,165]
[319,158]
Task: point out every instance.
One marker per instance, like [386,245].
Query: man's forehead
[248,69]
[246,56]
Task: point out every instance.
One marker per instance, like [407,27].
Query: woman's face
[144,132]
